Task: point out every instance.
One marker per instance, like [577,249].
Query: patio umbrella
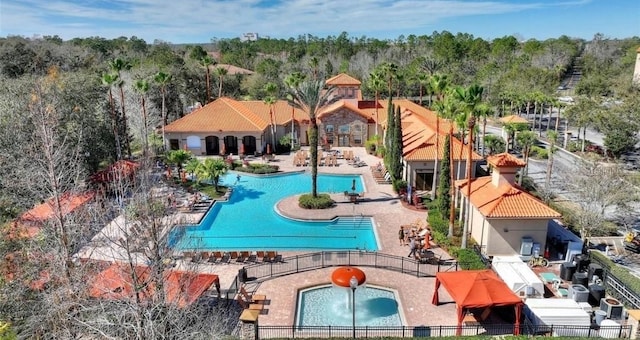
[223,149]
[409,193]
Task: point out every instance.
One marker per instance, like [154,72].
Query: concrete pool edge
[301,290]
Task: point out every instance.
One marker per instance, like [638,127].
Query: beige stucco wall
[504,236]
[182,138]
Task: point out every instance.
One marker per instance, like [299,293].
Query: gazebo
[477,289]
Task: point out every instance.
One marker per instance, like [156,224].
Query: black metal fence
[311,261]
[427,267]
[291,332]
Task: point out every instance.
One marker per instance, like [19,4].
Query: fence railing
[615,287]
[324,259]
[291,332]
[312,261]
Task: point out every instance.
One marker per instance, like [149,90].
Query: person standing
[401,235]
[412,245]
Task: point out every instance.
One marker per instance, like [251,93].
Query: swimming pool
[249,221]
[331,306]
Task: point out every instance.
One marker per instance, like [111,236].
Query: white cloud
[177,20]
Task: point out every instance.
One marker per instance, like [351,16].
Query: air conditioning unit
[612,306]
[578,293]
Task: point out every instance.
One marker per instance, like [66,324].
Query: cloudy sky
[199,21]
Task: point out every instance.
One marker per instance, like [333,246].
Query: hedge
[323,201]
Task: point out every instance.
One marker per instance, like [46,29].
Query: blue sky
[198,21]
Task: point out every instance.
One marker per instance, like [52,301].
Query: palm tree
[311,97]
[211,169]
[117,66]
[439,86]
[510,130]
[163,79]
[376,83]
[110,79]
[389,70]
[484,111]
[142,87]
[313,64]
[270,99]
[178,157]
[192,166]
[492,143]
[207,61]
[526,139]
[424,80]
[221,72]
[292,81]
[471,98]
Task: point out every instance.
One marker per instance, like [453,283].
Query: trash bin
[242,275]
[600,315]
[567,269]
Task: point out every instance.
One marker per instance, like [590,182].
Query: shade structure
[477,289]
[341,277]
[122,169]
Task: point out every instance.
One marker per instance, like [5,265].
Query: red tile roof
[223,114]
[30,222]
[504,201]
[180,288]
[343,79]
[506,160]
[340,104]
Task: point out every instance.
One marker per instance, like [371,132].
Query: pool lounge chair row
[232,256]
[381,175]
[328,161]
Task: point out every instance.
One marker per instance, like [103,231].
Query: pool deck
[379,201]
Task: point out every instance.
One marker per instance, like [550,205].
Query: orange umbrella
[223,149]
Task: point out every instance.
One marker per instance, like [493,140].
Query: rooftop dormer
[505,167]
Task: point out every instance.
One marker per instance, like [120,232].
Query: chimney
[505,167]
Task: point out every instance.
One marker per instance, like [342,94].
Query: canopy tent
[477,289]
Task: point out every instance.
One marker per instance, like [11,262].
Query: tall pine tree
[444,185]
[388,138]
[397,147]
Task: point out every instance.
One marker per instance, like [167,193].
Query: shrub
[467,258]
[398,185]
[323,201]
[258,168]
[539,152]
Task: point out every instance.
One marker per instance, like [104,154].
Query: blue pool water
[331,306]
[249,221]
